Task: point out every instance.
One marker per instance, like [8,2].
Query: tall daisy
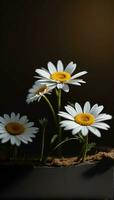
[84,120]
[37,91]
[60,77]
[16,129]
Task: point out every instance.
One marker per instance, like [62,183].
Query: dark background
[38,31]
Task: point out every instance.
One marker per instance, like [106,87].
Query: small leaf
[90,146]
[53,138]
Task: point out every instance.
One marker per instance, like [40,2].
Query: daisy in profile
[37,91]
[59,76]
[84,120]
[16,129]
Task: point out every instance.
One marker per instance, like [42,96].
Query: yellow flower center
[42,90]
[84,119]
[14,128]
[61,76]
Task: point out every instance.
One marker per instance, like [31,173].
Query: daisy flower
[59,76]
[84,120]
[16,129]
[37,91]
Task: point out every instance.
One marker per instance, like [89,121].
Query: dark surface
[87,181]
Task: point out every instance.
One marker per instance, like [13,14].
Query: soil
[70,161]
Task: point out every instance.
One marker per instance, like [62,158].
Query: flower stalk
[42,148]
[51,108]
[43,122]
[59,117]
[84,148]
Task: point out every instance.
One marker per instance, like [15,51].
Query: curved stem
[42,149]
[84,148]
[51,107]
[61,143]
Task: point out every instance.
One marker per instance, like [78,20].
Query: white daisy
[37,91]
[84,120]
[59,76]
[16,129]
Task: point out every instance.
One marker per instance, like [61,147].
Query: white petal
[78,108]
[51,68]
[59,66]
[43,73]
[22,138]
[4,135]
[23,119]
[68,123]
[66,115]
[59,86]
[80,81]
[17,141]
[12,139]
[70,110]
[103,117]
[76,130]
[44,81]
[5,139]
[45,69]
[101,125]
[79,74]
[93,109]
[73,82]
[29,124]
[97,110]
[2,120]
[70,68]
[32,130]
[18,116]
[2,131]
[95,131]
[7,117]
[87,107]
[13,116]
[84,130]
[66,88]
[100,108]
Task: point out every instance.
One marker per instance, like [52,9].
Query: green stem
[42,148]
[59,118]
[51,107]
[84,148]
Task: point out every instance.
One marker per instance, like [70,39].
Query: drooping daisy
[84,120]
[16,129]
[59,76]
[37,91]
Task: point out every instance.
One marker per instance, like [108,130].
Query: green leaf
[53,138]
[90,146]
